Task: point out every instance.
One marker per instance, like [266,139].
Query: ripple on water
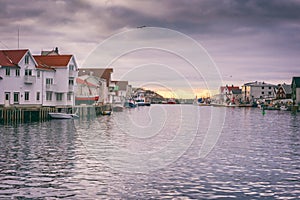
[255,157]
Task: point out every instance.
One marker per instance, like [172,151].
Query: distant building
[296,90]
[90,90]
[284,91]
[236,96]
[104,73]
[50,53]
[226,94]
[258,90]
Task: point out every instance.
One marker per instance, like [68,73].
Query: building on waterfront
[90,90]
[34,80]
[104,73]
[296,90]
[284,91]
[58,85]
[20,79]
[122,90]
[226,93]
[258,90]
[236,96]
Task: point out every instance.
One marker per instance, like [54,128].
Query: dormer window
[27,59]
[71,67]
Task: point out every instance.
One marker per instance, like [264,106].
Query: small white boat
[283,108]
[63,116]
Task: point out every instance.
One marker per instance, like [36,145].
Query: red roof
[53,61]
[11,58]
[230,88]
[84,82]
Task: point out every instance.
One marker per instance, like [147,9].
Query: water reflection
[255,157]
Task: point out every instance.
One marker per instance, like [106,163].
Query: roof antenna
[18,37]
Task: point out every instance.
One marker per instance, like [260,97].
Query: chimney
[56,50]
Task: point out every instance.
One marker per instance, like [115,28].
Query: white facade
[21,85]
[59,86]
[258,90]
[26,83]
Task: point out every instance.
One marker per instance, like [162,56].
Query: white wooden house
[59,84]
[20,79]
[35,81]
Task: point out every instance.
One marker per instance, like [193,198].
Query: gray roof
[287,88]
[260,84]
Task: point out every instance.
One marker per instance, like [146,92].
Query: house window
[71,81]
[49,81]
[7,71]
[26,96]
[37,96]
[269,88]
[270,93]
[69,96]
[16,97]
[262,92]
[27,59]
[71,67]
[17,72]
[28,72]
[262,88]
[38,73]
[7,94]
[49,96]
[59,96]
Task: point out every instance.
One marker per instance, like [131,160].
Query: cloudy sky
[248,40]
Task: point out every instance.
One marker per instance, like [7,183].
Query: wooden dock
[16,115]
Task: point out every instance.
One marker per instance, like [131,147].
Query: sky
[245,40]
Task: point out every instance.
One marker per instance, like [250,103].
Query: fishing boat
[63,116]
[171,101]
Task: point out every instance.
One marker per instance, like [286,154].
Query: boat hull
[62,116]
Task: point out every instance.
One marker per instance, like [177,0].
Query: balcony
[72,73]
[29,79]
[51,87]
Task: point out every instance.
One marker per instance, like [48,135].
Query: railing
[29,79]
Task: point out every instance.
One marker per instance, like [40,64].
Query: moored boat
[63,116]
[106,112]
[284,108]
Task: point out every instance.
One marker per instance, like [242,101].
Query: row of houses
[253,92]
[54,80]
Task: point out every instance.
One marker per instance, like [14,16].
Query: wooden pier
[16,115]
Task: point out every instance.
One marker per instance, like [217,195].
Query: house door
[16,97]
[7,99]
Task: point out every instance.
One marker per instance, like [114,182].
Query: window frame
[7,71]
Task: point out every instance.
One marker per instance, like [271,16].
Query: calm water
[153,152]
